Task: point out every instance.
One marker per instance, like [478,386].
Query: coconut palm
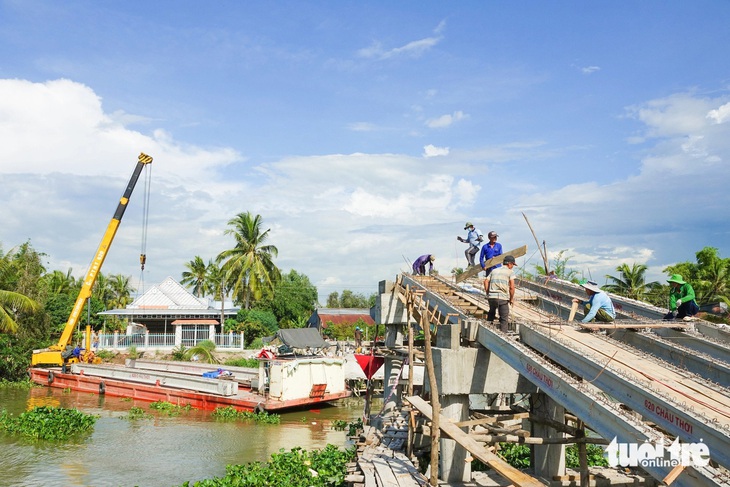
[59,283]
[204,352]
[12,303]
[196,275]
[121,291]
[249,266]
[631,282]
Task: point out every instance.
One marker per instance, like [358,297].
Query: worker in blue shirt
[598,307]
[489,250]
[474,239]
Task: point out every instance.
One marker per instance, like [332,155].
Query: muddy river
[163,451]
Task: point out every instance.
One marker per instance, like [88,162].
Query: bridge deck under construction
[639,380]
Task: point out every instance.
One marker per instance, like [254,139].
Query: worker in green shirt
[681,299]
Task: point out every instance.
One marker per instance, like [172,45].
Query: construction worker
[474,239]
[500,288]
[598,307]
[419,266]
[489,250]
[681,299]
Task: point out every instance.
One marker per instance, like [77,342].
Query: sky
[366,134]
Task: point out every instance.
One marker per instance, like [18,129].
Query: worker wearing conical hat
[681,299]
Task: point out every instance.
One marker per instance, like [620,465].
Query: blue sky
[367,133]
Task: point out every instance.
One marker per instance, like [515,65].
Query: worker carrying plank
[489,250]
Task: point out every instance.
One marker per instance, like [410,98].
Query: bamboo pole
[531,440]
[543,254]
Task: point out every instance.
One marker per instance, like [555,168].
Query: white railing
[167,341]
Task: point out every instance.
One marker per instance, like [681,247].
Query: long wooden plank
[476,269]
[384,473]
[477,450]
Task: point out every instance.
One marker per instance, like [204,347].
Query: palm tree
[204,350]
[249,266]
[59,283]
[195,276]
[121,291]
[11,302]
[632,282]
[216,285]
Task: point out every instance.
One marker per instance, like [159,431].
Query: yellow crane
[53,354]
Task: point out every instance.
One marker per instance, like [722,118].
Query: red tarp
[369,364]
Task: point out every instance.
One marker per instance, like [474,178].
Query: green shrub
[106,355]
[594,454]
[179,353]
[243,362]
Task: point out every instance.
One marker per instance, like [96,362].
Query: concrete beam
[719,351]
[603,417]
[705,366]
[165,379]
[679,422]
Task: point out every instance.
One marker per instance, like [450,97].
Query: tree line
[35,302]
[709,276]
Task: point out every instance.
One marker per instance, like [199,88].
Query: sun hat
[591,286]
[467,225]
[492,234]
[432,257]
[676,278]
[509,259]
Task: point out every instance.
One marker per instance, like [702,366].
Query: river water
[163,451]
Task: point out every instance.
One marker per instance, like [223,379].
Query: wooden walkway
[381,461]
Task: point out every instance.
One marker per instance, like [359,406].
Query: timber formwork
[643,380]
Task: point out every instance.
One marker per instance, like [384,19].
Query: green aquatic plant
[48,423]
[295,468]
[19,384]
[229,413]
[137,413]
[169,408]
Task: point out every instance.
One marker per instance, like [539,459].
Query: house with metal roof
[168,308]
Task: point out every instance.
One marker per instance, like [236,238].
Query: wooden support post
[435,404]
[517,478]
[583,456]
[411,432]
[573,310]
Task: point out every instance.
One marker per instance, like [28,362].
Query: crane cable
[145,222]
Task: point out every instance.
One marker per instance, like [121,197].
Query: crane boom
[52,355]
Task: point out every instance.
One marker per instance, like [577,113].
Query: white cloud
[721,114]
[667,209]
[431,150]
[446,120]
[362,127]
[410,49]
[590,69]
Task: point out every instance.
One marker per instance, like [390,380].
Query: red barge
[277,385]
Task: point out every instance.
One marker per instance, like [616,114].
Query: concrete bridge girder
[581,399]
